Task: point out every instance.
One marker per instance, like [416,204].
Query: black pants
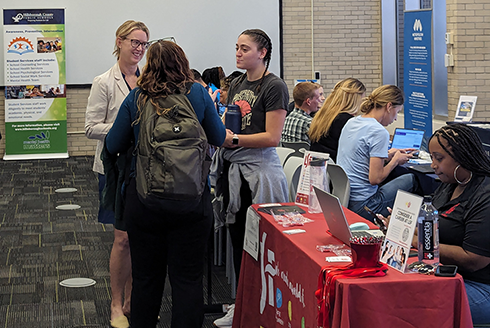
[167,241]
[237,230]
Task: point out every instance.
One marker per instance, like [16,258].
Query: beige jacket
[106,96]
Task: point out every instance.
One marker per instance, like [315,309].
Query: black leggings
[237,229]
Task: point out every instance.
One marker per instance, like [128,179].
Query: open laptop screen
[406,138]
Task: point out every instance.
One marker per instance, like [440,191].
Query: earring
[462,182]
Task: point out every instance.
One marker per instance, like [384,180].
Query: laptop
[422,168]
[407,138]
[336,221]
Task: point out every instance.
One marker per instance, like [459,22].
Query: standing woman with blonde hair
[171,241]
[339,107]
[364,156]
[106,95]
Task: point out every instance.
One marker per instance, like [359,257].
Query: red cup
[365,255]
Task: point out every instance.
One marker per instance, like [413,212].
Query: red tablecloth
[278,290]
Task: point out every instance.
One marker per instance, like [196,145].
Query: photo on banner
[35,84]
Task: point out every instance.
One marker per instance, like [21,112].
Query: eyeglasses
[136,43]
[168,38]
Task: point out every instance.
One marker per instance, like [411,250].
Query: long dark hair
[263,41]
[465,147]
[166,72]
[213,75]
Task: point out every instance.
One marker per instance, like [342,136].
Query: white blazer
[106,96]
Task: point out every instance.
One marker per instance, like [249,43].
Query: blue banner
[33,16]
[417,70]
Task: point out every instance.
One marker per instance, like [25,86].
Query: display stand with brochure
[304,185]
[401,229]
[466,108]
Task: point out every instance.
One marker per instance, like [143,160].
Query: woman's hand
[214,94]
[400,157]
[386,221]
[228,143]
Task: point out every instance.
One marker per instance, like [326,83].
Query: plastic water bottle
[318,178]
[428,232]
[233,119]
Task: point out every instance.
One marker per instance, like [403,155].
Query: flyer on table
[398,241]
[304,184]
[35,83]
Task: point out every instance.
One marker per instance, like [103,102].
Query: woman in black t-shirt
[252,168]
[463,202]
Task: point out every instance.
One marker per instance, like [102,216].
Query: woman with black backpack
[172,240]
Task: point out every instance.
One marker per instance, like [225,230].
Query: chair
[340,183]
[292,169]
[283,153]
[296,145]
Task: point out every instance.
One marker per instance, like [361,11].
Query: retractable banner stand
[35,90]
[418,70]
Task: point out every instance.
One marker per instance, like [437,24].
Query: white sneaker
[227,320]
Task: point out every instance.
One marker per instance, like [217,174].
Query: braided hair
[263,41]
[465,147]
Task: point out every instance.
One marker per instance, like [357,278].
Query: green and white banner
[35,84]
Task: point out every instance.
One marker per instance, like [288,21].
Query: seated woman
[341,105]
[463,202]
[363,153]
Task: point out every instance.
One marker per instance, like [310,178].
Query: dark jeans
[105,216]
[167,241]
[384,196]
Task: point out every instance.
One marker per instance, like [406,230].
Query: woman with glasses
[172,241]
[107,93]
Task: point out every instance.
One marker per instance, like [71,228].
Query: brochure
[466,108]
[401,229]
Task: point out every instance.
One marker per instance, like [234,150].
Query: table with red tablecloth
[278,290]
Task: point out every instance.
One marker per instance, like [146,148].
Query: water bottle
[318,178]
[428,232]
[233,119]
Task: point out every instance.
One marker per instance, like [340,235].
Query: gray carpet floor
[41,246]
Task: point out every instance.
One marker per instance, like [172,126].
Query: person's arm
[378,171]
[119,137]
[211,123]
[464,259]
[95,115]
[274,121]
[457,255]
[392,152]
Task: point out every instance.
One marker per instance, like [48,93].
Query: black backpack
[171,164]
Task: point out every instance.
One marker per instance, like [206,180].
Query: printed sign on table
[35,90]
[398,241]
[466,108]
[304,184]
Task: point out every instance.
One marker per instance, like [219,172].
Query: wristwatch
[235,139]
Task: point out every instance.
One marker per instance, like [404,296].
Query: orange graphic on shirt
[244,107]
